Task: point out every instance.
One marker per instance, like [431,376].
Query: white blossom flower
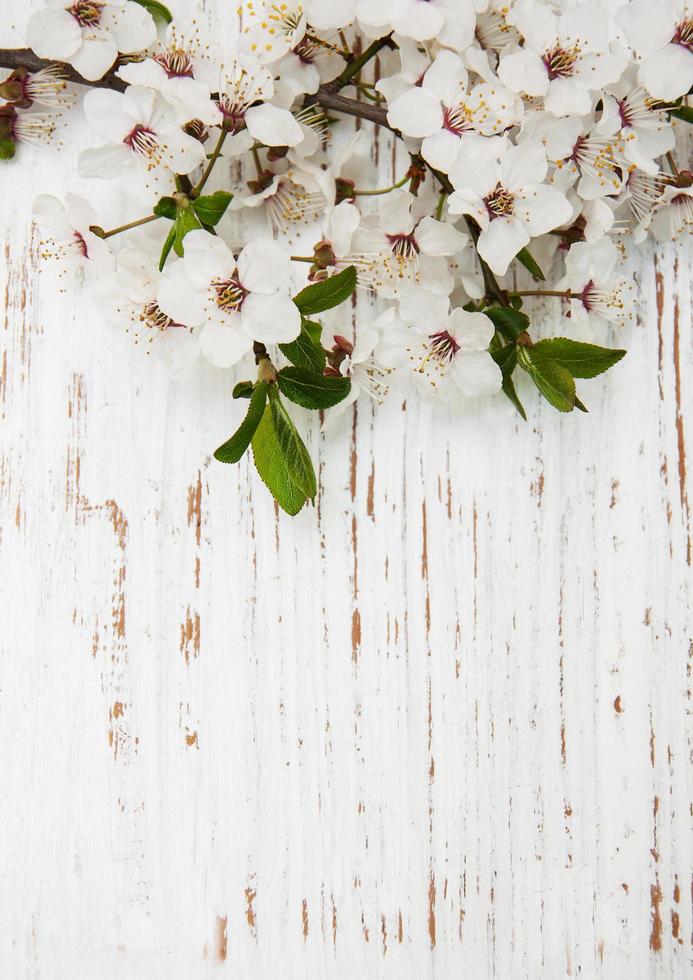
[452,22]
[128,298]
[269,30]
[602,297]
[143,138]
[244,91]
[233,301]
[398,247]
[673,216]
[89,34]
[72,243]
[180,70]
[447,351]
[564,59]
[444,113]
[358,361]
[661,32]
[506,195]
[328,15]
[642,126]
[43,88]
[22,126]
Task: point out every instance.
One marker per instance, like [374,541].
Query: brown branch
[25,58]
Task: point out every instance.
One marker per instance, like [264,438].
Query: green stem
[100,233]
[258,162]
[382,190]
[302,258]
[355,66]
[565,294]
[441,204]
[216,153]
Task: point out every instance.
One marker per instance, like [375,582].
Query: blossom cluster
[542,139]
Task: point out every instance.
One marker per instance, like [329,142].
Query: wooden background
[437,727]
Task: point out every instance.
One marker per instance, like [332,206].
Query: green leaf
[510,392]
[510,323]
[555,382]
[582,360]
[314,331]
[304,352]
[525,259]
[168,245]
[298,462]
[157,10]
[244,389]
[505,358]
[271,464]
[327,294]
[234,449]
[684,112]
[166,207]
[312,390]
[186,220]
[211,208]
[580,406]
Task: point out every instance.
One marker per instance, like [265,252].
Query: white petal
[418,20]
[439,237]
[106,113]
[180,299]
[50,213]
[53,34]
[423,308]
[472,331]
[131,25]
[264,267]
[95,56]
[648,25]
[225,346]
[441,149]
[108,161]
[500,242]
[524,72]
[207,257]
[568,97]
[271,319]
[446,79]
[345,220]
[178,350]
[668,73]
[542,209]
[273,126]
[523,165]
[476,374]
[416,113]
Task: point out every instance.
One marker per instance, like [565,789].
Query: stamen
[230,294]
[87,13]
[560,62]
[500,202]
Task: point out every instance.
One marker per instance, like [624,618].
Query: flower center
[684,35]
[443,345]
[175,62]
[560,62]
[153,316]
[87,13]
[457,120]
[306,51]
[403,246]
[287,20]
[230,294]
[81,245]
[142,141]
[499,203]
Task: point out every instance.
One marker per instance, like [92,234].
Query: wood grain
[438,726]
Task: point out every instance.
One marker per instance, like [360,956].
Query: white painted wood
[437,728]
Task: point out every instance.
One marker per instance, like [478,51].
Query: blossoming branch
[542,137]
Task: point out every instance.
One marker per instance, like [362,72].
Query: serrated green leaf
[234,448]
[157,10]
[580,406]
[327,294]
[272,467]
[166,207]
[304,352]
[298,461]
[510,323]
[312,390]
[244,389]
[582,360]
[683,112]
[314,331]
[525,259]
[211,208]
[555,382]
